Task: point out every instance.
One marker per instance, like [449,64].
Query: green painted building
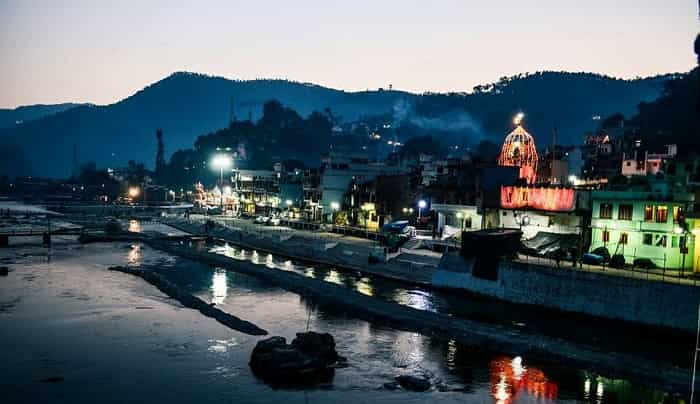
[645,225]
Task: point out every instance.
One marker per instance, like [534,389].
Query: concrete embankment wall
[641,301]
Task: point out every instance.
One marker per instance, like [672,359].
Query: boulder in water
[309,359]
[414,383]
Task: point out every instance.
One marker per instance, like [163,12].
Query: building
[645,226]
[257,191]
[540,209]
[644,163]
[340,169]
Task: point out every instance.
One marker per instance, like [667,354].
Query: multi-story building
[341,169]
[645,226]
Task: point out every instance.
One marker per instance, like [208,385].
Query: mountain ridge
[187,104]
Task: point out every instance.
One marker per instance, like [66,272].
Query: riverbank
[325,249]
[491,337]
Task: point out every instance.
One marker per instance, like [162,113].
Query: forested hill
[186,105]
[26,113]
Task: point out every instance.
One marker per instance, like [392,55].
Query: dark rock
[56,379]
[309,359]
[391,385]
[4,271]
[414,383]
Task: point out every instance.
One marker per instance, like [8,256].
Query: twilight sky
[101,51]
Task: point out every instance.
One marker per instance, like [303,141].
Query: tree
[160,154]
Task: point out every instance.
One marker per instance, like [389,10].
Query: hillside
[186,105]
[26,113]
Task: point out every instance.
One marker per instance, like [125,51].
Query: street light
[221,161]
[421,205]
[288,202]
[134,192]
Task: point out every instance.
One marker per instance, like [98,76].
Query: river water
[80,333]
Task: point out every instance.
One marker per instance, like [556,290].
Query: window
[674,241]
[660,241]
[605,211]
[677,213]
[606,236]
[649,213]
[624,212]
[661,214]
[647,239]
[623,238]
[468,222]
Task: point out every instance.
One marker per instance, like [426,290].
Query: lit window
[606,236]
[649,213]
[624,212]
[662,214]
[605,211]
[677,213]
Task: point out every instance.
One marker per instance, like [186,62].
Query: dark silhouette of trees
[160,153]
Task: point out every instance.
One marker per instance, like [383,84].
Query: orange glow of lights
[540,198]
[519,151]
[509,378]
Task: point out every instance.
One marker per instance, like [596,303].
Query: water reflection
[510,378]
[380,352]
[134,226]
[219,286]
[134,256]
[333,277]
[415,298]
[364,286]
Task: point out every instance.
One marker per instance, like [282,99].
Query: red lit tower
[519,151]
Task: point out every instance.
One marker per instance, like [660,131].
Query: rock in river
[309,359]
[414,383]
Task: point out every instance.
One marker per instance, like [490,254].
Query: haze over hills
[186,105]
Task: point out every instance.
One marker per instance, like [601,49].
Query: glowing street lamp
[134,192]
[221,161]
[421,205]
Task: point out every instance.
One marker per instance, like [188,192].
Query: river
[80,333]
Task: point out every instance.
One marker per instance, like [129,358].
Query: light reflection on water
[333,277]
[219,286]
[417,299]
[134,256]
[364,286]
[378,354]
[134,226]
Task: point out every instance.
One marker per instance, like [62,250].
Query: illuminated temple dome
[519,151]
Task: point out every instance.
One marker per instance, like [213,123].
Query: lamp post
[221,161]
[421,205]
